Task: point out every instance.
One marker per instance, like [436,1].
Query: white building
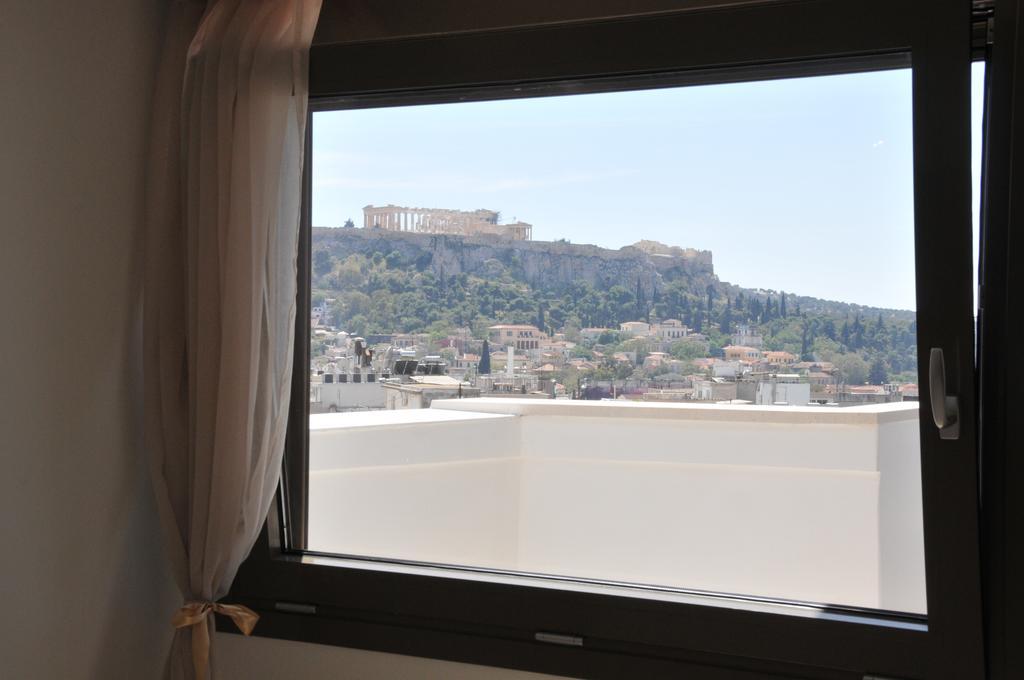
[716,389]
[670,330]
[635,328]
[421,390]
[747,336]
[782,389]
[726,369]
[335,396]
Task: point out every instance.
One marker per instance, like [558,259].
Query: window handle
[945,408]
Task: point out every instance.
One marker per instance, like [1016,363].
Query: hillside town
[662,361]
[427,303]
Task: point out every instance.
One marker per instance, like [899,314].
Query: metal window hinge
[295,608]
[990,30]
[559,639]
[879,677]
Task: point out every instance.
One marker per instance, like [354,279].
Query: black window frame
[454,616]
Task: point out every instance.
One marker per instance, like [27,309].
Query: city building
[420,390]
[726,369]
[747,336]
[741,353]
[410,340]
[715,389]
[670,329]
[521,336]
[635,328]
[779,358]
[338,393]
[655,360]
[592,334]
[782,389]
[870,394]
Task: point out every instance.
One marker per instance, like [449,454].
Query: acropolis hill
[546,264]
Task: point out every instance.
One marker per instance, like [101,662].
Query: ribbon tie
[197,614]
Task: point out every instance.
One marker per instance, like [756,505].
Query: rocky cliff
[550,265]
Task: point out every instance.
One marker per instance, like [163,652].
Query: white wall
[774,501]
[84,590]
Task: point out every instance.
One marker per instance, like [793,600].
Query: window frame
[455,617]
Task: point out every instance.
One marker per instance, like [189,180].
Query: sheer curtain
[221,240]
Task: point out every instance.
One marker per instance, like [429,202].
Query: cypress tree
[484,368]
[641,302]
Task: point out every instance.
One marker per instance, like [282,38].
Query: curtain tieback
[196,614]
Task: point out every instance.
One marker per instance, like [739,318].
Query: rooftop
[797,502]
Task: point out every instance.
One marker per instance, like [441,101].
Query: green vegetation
[383,293]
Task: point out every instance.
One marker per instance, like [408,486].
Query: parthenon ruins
[442,221]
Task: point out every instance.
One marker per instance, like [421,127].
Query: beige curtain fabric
[221,240]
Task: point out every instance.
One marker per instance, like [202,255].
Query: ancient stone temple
[442,221]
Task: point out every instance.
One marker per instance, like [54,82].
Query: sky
[803,185]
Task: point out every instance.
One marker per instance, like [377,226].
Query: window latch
[945,407]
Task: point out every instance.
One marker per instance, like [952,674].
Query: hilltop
[559,266]
[546,265]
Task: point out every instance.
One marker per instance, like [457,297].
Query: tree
[685,313]
[484,367]
[782,306]
[857,332]
[641,303]
[349,224]
[806,340]
[852,368]
[686,349]
[877,373]
[540,316]
[726,323]
[322,262]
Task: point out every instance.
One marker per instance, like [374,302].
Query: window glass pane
[660,337]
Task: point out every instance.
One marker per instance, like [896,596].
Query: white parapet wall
[802,503]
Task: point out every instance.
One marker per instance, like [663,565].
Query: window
[657,486]
[575,618]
